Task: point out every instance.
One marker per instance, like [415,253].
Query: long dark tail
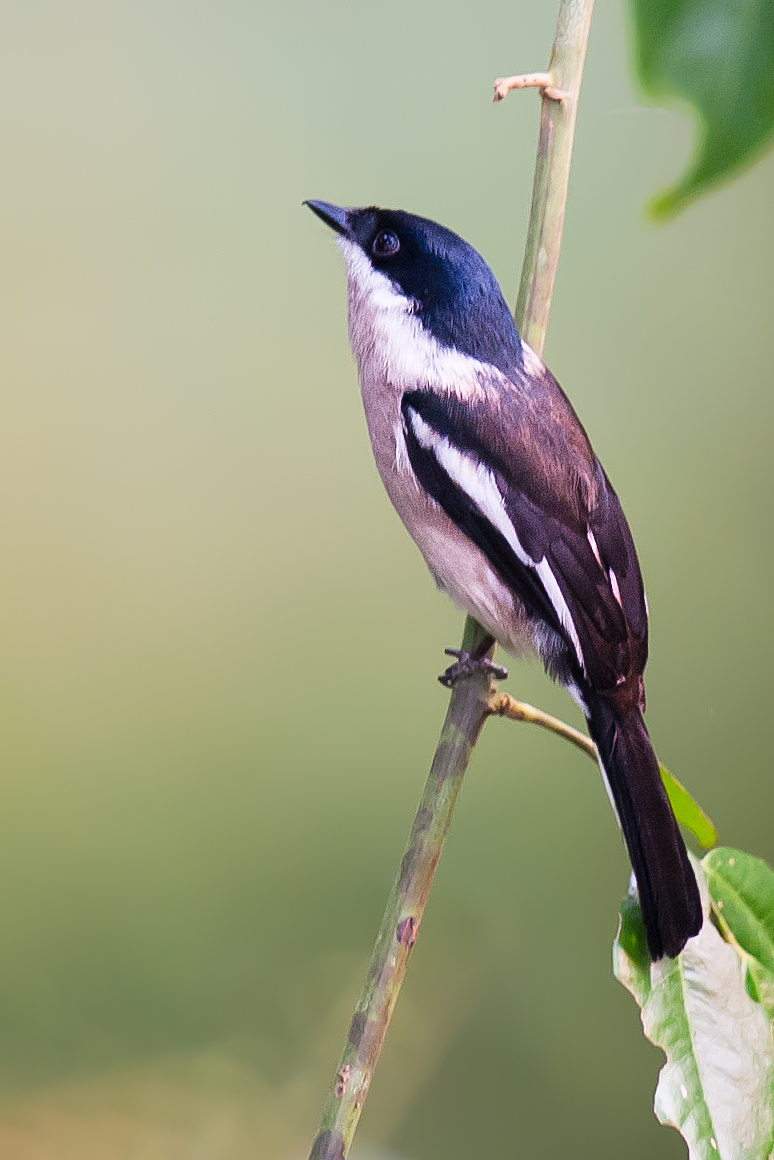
[669,896]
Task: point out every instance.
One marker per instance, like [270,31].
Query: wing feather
[526,487]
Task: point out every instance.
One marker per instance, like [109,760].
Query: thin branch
[471,699]
[685,808]
[552,172]
[503,705]
[539,80]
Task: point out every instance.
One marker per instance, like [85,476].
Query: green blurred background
[219,647]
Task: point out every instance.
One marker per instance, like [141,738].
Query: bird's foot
[469,665]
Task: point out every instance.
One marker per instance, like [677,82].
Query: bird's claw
[468,665]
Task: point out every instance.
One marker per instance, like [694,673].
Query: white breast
[394,354]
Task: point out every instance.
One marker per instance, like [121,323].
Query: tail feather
[666,883]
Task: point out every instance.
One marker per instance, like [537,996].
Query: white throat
[388,340]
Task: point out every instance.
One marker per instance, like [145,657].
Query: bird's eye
[385,244]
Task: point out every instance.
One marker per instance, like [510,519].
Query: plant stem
[503,705]
[687,811]
[471,699]
[552,172]
[468,709]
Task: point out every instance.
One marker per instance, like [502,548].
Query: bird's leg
[468,664]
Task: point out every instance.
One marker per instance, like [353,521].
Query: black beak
[333,215]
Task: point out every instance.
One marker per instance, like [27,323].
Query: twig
[687,811]
[503,705]
[471,699]
[539,80]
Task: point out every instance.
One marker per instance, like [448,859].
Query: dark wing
[516,473]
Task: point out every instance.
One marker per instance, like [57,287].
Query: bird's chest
[456,563]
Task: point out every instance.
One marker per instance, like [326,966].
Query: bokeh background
[219,648]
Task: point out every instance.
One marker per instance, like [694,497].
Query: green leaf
[742,891]
[717,1085]
[718,55]
[688,812]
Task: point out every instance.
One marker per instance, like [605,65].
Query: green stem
[470,702]
[552,173]
[467,712]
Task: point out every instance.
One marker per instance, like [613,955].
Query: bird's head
[401,264]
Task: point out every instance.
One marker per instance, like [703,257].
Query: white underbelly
[463,572]
[458,566]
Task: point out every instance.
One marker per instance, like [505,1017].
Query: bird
[494,477]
